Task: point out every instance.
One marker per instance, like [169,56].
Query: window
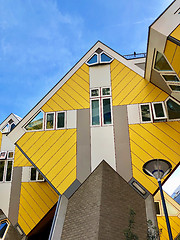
[60,120]
[175,87]
[49,120]
[10,155]
[35,175]
[101,107]
[161,64]
[99,57]
[6,170]
[173,109]
[8,127]
[145,112]
[157,208]
[159,111]
[4,225]
[171,78]
[36,123]
[3,155]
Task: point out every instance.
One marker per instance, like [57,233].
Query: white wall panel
[5,189]
[133,114]
[100,76]
[26,174]
[102,146]
[72,119]
[6,144]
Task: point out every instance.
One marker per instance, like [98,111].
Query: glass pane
[106,91]
[159,110]
[145,113]
[107,110]
[173,109]
[40,177]
[12,126]
[175,87]
[36,123]
[49,120]
[33,174]
[9,171]
[171,78]
[3,227]
[161,64]
[3,155]
[60,120]
[157,208]
[93,59]
[1,170]
[95,112]
[6,128]
[105,58]
[95,93]
[10,154]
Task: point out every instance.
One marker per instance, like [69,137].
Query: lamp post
[159,168]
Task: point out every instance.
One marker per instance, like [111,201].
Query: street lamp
[159,168]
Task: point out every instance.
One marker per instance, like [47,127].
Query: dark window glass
[173,109]
[105,58]
[36,123]
[33,174]
[145,113]
[1,170]
[157,208]
[9,171]
[40,177]
[107,110]
[95,112]
[3,227]
[93,59]
[10,154]
[171,78]
[106,91]
[60,120]
[95,93]
[12,126]
[159,110]
[49,120]
[175,87]
[161,64]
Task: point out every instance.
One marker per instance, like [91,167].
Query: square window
[33,174]
[106,92]
[10,155]
[3,155]
[157,208]
[95,92]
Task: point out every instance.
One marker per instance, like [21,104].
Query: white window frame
[95,89]
[3,220]
[151,116]
[3,157]
[54,118]
[95,99]
[162,72]
[37,173]
[159,208]
[102,115]
[65,119]
[154,113]
[10,158]
[5,170]
[107,55]
[172,120]
[105,95]
[91,64]
[35,130]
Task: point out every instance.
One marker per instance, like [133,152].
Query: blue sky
[41,40]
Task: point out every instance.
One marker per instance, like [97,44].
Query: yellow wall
[175,227]
[36,199]
[153,140]
[0,139]
[172,51]
[130,88]
[54,154]
[74,94]
[20,160]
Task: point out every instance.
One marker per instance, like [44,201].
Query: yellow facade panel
[82,91]
[25,138]
[19,159]
[176,33]
[85,68]
[36,136]
[55,105]
[0,139]
[83,74]
[70,100]
[24,225]
[117,71]
[65,105]
[170,50]
[35,201]
[67,182]
[47,108]
[80,81]
[118,78]
[176,60]
[113,65]
[153,94]
[161,97]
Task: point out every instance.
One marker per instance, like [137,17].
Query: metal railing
[135,55]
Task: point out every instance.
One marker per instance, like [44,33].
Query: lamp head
[157,168]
